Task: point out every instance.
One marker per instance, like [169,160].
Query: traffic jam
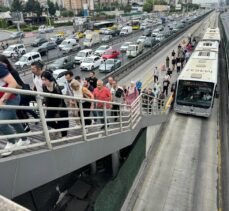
[92,50]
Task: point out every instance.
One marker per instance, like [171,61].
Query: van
[67,43]
[91,39]
[83,54]
[27,59]
[13,49]
[126,30]
[134,50]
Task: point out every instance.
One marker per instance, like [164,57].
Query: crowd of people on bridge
[80,89]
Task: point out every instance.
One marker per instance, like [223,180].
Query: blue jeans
[101,114]
[10,114]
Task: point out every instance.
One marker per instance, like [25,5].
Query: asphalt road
[183,174]
[4,35]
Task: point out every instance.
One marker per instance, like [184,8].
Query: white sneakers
[10,146]
[23,143]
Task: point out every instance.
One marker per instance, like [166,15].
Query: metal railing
[111,118]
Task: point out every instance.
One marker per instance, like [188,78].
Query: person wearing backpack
[117,93]
[24,99]
[6,98]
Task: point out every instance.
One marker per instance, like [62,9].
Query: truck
[91,39]
[135,49]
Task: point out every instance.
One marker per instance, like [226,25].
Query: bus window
[195,93]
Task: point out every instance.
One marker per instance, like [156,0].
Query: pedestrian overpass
[49,157]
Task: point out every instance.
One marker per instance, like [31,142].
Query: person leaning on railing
[6,98]
[50,86]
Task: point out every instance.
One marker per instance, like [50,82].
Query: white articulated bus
[208,45]
[212,34]
[197,83]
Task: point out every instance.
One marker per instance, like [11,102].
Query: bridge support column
[93,168]
[115,163]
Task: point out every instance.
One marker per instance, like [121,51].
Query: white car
[106,38]
[91,63]
[45,29]
[82,55]
[155,32]
[59,76]
[142,39]
[27,59]
[125,45]
[13,49]
[70,48]
[160,37]
[101,50]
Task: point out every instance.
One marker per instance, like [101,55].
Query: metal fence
[224,40]
[111,118]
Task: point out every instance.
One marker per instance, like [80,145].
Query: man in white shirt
[109,84]
[37,69]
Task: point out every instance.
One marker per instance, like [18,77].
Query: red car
[110,54]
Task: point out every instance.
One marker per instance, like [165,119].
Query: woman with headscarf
[82,93]
[50,86]
[132,93]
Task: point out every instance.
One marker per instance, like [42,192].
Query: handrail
[112,120]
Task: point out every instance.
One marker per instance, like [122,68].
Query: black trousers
[87,105]
[116,111]
[165,90]
[58,124]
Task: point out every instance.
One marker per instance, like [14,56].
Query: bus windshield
[195,93]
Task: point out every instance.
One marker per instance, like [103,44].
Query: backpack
[139,84]
[119,93]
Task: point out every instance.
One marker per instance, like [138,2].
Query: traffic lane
[182,175]
[56,52]
[116,46]
[144,73]
[84,74]
[4,35]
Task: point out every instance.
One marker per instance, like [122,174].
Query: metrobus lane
[144,73]
[183,173]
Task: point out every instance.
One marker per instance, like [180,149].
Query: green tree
[38,8]
[52,8]
[16,6]
[127,8]
[34,7]
[57,6]
[29,6]
[3,8]
[147,7]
